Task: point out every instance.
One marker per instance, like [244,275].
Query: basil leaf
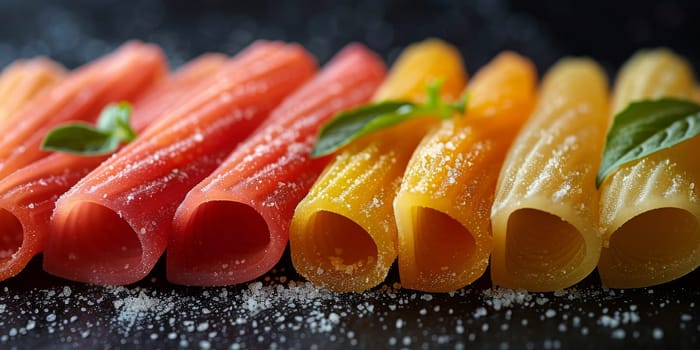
[124,131]
[112,129]
[460,106]
[646,127]
[445,110]
[80,138]
[350,125]
[113,116]
[433,93]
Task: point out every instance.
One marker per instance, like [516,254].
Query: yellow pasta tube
[343,234]
[650,207]
[442,209]
[653,74]
[23,80]
[696,94]
[545,214]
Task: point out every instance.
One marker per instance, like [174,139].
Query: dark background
[74,32]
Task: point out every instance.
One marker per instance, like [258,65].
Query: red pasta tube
[123,75]
[234,225]
[27,196]
[112,226]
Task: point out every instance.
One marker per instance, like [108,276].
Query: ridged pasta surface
[650,207]
[343,234]
[442,210]
[545,213]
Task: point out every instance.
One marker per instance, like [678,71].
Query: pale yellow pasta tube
[442,209]
[545,214]
[650,207]
[343,234]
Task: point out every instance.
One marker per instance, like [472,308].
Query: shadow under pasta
[541,245]
[11,235]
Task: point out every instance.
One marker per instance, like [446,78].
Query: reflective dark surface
[280,311]
[40,311]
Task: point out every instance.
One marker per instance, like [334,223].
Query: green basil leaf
[444,110]
[112,129]
[402,114]
[80,138]
[350,125]
[433,93]
[114,116]
[646,127]
[124,132]
[460,106]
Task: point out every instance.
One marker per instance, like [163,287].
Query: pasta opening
[11,235]
[539,244]
[657,239]
[225,233]
[343,245]
[442,245]
[97,238]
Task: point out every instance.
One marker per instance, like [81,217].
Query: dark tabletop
[279,310]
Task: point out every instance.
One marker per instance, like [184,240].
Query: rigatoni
[112,226]
[121,76]
[545,214]
[23,80]
[343,234]
[258,186]
[442,210]
[653,74]
[27,195]
[650,207]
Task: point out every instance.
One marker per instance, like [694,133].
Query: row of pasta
[225,161]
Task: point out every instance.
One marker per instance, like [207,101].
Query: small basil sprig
[350,125]
[80,138]
[646,127]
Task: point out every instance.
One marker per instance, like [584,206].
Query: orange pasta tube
[650,207]
[23,80]
[442,209]
[545,213]
[343,234]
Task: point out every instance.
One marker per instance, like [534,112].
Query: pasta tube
[23,80]
[442,209]
[122,75]
[27,196]
[650,207]
[343,233]
[545,214]
[262,181]
[113,225]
